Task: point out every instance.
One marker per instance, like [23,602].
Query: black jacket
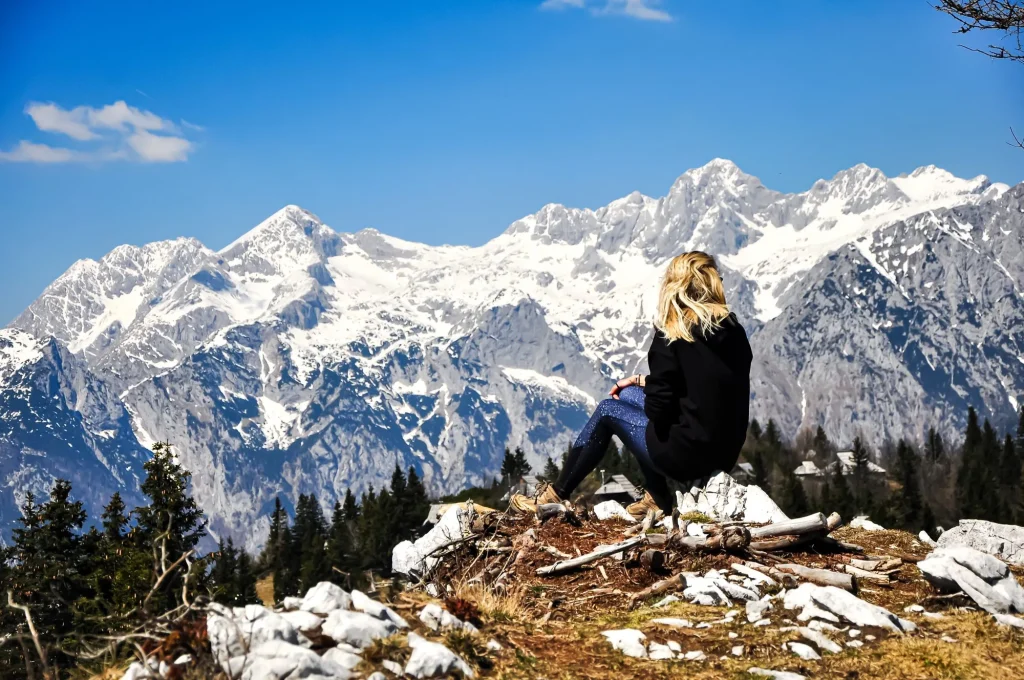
[697,399]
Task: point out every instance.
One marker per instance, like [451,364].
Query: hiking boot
[639,509]
[545,494]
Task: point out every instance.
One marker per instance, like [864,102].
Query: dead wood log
[566,565]
[823,577]
[652,560]
[834,521]
[794,527]
[555,552]
[867,575]
[675,582]
[866,565]
[783,542]
[657,540]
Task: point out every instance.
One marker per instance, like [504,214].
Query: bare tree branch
[40,650]
[1005,16]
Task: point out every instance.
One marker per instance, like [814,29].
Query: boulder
[435,618]
[612,510]
[837,604]
[246,628]
[757,609]
[431,660]
[357,629]
[723,499]
[290,604]
[414,557]
[805,652]
[629,641]
[660,652]
[822,641]
[324,598]
[279,660]
[343,657]
[306,623]
[364,603]
[1005,541]
[982,577]
[926,539]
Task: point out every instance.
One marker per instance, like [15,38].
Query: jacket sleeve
[659,389]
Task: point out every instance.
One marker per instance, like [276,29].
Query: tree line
[81,584]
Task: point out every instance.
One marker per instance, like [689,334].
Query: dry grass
[265,590]
[503,607]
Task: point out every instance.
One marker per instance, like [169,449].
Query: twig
[40,650]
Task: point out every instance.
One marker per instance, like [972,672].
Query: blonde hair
[691,295]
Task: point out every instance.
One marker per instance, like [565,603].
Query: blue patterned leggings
[625,418]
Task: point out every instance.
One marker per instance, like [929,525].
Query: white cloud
[645,10]
[120,131]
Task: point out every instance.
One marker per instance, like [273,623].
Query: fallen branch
[566,565]
[676,582]
[794,527]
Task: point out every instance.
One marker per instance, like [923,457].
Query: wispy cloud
[644,10]
[115,132]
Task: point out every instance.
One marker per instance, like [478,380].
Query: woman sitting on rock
[688,417]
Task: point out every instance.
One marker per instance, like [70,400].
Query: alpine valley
[302,360]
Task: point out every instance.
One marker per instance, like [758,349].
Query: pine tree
[970,477]
[550,471]
[760,470]
[245,581]
[223,574]
[273,546]
[861,475]
[114,518]
[842,498]
[416,502]
[934,448]
[522,467]
[906,507]
[792,498]
[754,429]
[1009,477]
[286,567]
[172,523]
[350,507]
[822,445]
[339,545]
[772,438]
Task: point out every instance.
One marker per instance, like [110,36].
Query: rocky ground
[476,606]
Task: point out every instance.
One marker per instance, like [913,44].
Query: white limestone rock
[822,641]
[659,652]
[277,660]
[290,604]
[926,539]
[629,641]
[435,618]
[704,591]
[1005,541]
[737,650]
[757,609]
[984,578]
[392,667]
[431,660]
[1008,620]
[695,655]
[357,629]
[805,652]
[775,675]
[838,604]
[723,498]
[324,598]
[306,623]
[364,603]
[862,522]
[665,601]
[612,510]
[410,557]
[346,658]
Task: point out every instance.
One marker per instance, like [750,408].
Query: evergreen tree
[115,520]
[339,544]
[861,475]
[52,572]
[417,505]
[971,478]
[172,523]
[224,572]
[760,470]
[754,429]
[792,498]
[906,508]
[245,581]
[841,497]
[398,486]
[286,567]
[772,438]
[822,445]
[1009,477]
[350,507]
[550,471]
[274,545]
[934,448]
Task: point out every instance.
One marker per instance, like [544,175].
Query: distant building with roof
[743,473]
[617,488]
[849,464]
[527,486]
[808,468]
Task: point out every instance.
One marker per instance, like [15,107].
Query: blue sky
[444,121]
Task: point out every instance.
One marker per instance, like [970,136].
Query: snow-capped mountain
[298,359]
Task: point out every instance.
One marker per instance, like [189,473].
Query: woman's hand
[624,383]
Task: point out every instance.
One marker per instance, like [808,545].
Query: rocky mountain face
[300,360]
